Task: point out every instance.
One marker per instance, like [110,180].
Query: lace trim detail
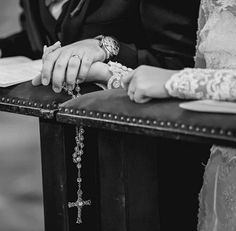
[203,84]
[224,4]
[210,5]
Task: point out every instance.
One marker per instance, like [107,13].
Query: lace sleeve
[203,84]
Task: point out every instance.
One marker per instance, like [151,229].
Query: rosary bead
[81,130]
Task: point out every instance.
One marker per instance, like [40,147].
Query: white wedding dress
[216,53]
[217,47]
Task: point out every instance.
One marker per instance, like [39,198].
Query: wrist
[118,72]
[109,45]
[170,85]
[102,53]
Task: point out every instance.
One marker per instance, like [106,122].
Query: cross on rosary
[80,203]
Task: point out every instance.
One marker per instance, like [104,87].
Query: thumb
[37,80]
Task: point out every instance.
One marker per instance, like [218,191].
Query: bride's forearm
[203,84]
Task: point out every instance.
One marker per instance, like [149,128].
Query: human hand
[46,50]
[146,82]
[70,63]
[99,72]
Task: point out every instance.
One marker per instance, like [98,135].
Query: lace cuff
[118,72]
[203,84]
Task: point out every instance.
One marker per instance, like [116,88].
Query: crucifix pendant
[80,203]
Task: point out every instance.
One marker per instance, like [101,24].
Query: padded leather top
[38,101]
[112,109]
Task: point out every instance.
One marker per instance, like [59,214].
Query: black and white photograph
[117,115]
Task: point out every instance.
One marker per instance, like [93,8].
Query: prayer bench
[43,103]
[150,157]
[142,164]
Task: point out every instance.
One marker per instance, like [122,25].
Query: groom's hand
[70,63]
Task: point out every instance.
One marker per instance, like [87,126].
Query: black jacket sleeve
[168,35]
[17,44]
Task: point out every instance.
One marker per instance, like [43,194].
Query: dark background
[20,168]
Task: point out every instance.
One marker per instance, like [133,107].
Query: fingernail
[58,43]
[44,81]
[71,87]
[57,89]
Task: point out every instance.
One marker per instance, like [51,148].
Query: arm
[18,43]
[167,36]
[146,82]
[203,84]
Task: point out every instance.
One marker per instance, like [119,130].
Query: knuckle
[141,69]
[87,61]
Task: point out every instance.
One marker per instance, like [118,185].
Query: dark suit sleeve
[168,35]
[17,44]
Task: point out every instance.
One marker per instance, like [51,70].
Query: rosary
[118,72]
[77,158]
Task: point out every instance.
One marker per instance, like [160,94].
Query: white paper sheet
[17,70]
[210,106]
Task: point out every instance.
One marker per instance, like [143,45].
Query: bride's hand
[99,72]
[146,82]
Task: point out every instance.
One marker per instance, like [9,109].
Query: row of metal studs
[26,103]
[142,121]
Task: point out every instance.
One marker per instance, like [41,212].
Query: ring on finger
[76,56]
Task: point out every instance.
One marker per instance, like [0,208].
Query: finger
[59,71]
[47,50]
[48,65]
[52,47]
[127,78]
[85,66]
[131,95]
[131,90]
[44,48]
[37,81]
[140,98]
[72,70]
[132,86]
